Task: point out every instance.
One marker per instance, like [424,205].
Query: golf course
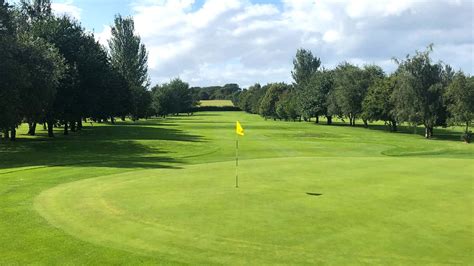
[163,191]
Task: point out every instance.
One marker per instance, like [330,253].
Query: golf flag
[239,129]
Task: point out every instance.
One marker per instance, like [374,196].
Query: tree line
[216,92]
[419,92]
[54,73]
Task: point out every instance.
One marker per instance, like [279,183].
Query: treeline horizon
[419,92]
[55,73]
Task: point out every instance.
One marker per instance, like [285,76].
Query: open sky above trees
[216,42]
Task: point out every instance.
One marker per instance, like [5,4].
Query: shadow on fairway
[444,134]
[100,146]
[314,194]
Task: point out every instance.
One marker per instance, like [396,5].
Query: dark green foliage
[172,98]
[216,92]
[304,66]
[272,95]
[313,100]
[459,98]
[215,109]
[377,104]
[249,99]
[287,106]
[129,57]
[418,96]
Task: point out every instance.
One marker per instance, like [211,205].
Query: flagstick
[237,161]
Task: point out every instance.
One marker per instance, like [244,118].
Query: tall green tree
[377,104]
[44,68]
[11,72]
[36,9]
[130,57]
[459,98]
[349,90]
[174,97]
[418,96]
[272,95]
[305,64]
[314,96]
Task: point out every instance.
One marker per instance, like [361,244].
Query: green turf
[162,191]
[217,103]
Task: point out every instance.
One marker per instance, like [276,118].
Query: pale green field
[217,103]
[162,191]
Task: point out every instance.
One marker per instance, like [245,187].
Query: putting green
[371,210]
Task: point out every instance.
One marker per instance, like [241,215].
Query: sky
[214,42]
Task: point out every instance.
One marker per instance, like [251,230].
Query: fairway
[217,103]
[162,191]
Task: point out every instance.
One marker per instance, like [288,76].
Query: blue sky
[207,42]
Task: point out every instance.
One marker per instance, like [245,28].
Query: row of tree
[419,92]
[53,72]
[215,92]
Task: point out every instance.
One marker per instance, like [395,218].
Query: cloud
[240,41]
[67,8]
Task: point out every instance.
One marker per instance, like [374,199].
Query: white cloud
[238,41]
[67,8]
[103,36]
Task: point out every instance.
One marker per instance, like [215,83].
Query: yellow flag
[239,129]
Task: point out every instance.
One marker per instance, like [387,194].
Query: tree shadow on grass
[444,134]
[118,146]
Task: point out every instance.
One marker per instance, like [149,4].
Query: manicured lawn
[217,103]
[162,191]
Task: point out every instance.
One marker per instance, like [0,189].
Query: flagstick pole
[237,161]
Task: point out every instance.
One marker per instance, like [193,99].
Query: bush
[467,137]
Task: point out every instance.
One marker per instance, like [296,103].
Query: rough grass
[162,191]
[217,103]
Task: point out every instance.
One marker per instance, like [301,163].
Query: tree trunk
[66,132]
[79,124]
[112,120]
[317,119]
[13,134]
[329,120]
[123,118]
[394,126]
[428,132]
[50,129]
[32,128]
[6,135]
[44,126]
[366,124]
[73,126]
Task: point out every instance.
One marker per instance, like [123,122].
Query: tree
[129,56]
[10,74]
[459,98]
[36,9]
[314,96]
[267,107]
[44,68]
[377,104]
[172,98]
[349,90]
[418,96]
[286,107]
[305,64]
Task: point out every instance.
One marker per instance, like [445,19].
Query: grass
[162,191]
[216,103]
